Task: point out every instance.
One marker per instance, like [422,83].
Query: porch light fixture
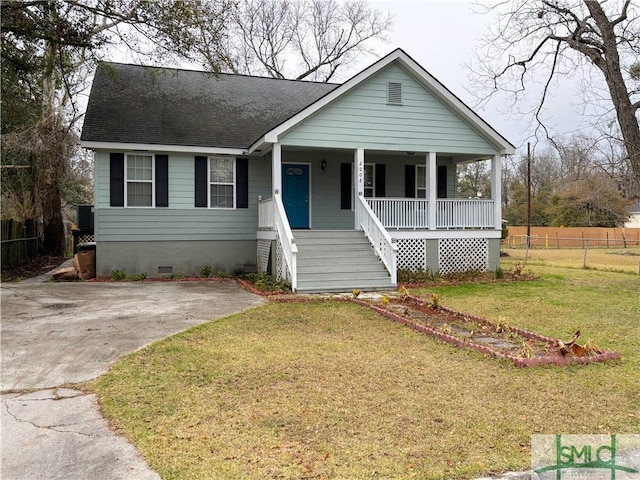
[411,153]
[323,165]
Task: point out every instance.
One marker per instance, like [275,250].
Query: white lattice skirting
[281,270]
[454,255]
[463,255]
[412,254]
[264,250]
[86,239]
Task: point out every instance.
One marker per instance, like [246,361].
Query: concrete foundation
[164,258]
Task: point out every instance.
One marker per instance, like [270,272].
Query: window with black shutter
[221,182]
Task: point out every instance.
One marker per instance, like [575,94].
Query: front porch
[424,232]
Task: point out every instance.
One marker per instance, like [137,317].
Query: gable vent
[394,93]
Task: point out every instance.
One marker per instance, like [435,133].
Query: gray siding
[326,213]
[186,257]
[181,220]
[362,118]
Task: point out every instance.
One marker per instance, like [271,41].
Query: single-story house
[634,217]
[330,186]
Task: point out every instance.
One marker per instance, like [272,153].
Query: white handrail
[265,214]
[384,246]
[286,239]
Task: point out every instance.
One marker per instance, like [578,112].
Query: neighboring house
[634,217]
[332,187]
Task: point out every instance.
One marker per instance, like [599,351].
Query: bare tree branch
[583,33]
[323,35]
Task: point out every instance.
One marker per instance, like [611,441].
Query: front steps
[338,261]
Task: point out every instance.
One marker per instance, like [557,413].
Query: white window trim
[209,183]
[152,181]
[418,167]
[373,187]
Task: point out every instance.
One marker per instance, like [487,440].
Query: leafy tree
[592,202]
[47,47]
[558,37]
[474,180]
[569,187]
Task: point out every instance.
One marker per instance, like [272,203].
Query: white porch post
[496,190]
[430,182]
[359,163]
[276,165]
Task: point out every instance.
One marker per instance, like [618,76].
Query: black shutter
[442,181]
[162,180]
[116,179]
[380,180]
[201,182]
[410,181]
[346,170]
[242,183]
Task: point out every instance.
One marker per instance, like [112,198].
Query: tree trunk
[50,152]
[53,225]
[609,64]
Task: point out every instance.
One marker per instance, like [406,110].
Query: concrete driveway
[55,334]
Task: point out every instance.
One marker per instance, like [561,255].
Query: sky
[442,36]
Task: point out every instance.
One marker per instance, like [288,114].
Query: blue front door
[295,194]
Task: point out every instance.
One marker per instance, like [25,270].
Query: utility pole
[528,195]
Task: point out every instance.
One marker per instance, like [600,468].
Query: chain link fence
[621,255]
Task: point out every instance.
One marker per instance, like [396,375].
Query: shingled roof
[163,106]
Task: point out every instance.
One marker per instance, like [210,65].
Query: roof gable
[422,76]
[412,120]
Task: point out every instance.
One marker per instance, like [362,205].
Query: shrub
[206,271]
[416,276]
[177,276]
[266,283]
[136,277]
[435,301]
[117,275]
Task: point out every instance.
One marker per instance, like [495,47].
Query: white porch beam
[432,174]
[276,165]
[359,181]
[496,190]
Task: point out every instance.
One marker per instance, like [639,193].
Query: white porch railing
[401,212]
[451,213]
[384,246]
[265,214]
[285,238]
[463,213]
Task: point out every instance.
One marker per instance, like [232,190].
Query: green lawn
[331,390]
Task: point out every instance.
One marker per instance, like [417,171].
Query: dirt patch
[33,268]
[523,348]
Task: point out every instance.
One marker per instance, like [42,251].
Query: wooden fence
[573,237]
[20,242]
